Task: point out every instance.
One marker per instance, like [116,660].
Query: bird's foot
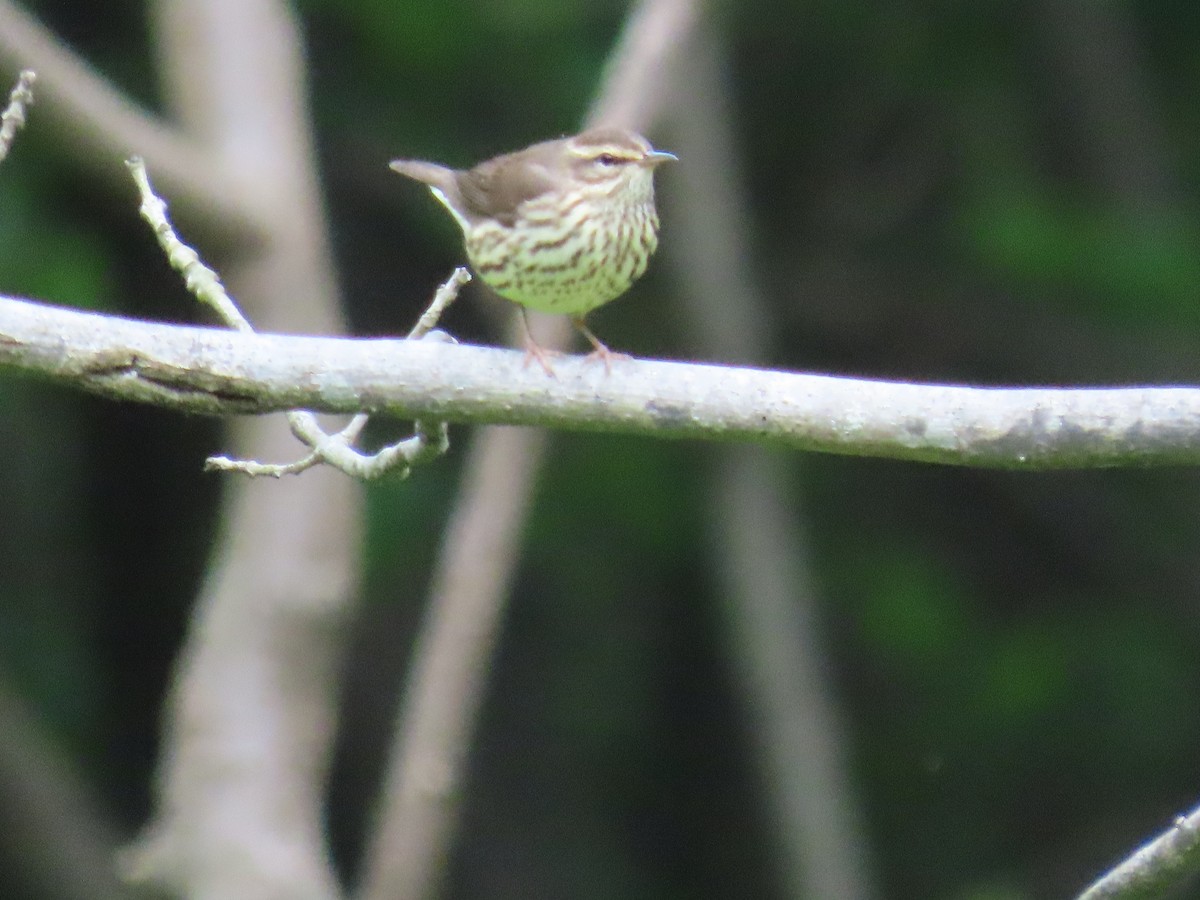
[606,356]
[600,350]
[541,354]
[533,351]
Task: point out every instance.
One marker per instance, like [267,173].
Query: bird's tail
[430,173]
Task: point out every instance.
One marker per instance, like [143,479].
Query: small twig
[428,441]
[1155,868]
[446,294]
[13,117]
[202,282]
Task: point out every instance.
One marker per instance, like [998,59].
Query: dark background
[993,193]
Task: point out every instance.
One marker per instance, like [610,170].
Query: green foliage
[44,252]
[1127,271]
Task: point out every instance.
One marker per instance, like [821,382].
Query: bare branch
[249,723]
[430,440]
[202,282]
[219,372]
[433,738]
[1154,869]
[13,117]
[636,83]
[770,598]
[105,127]
[446,294]
[61,843]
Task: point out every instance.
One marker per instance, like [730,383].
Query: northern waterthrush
[562,226]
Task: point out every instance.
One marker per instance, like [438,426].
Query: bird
[562,226]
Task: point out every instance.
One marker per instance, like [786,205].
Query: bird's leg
[533,350]
[600,350]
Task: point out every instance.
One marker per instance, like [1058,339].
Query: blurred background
[990,193]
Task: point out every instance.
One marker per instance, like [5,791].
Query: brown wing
[496,188]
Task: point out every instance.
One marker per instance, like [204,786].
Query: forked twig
[429,439]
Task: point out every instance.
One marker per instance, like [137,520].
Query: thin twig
[202,282]
[13,117]
[445,295]
[429,439]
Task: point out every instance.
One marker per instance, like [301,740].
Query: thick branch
[221,372]
[249,723]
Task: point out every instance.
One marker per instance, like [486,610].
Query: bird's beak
[658,157]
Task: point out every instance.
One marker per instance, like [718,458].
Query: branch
[218,372]
[762,556]
[249,723]
[59,842]
[104,126]
[448,678]
[1155,868]
[431,439]
[638,76]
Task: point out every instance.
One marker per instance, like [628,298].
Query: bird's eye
[607,159]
